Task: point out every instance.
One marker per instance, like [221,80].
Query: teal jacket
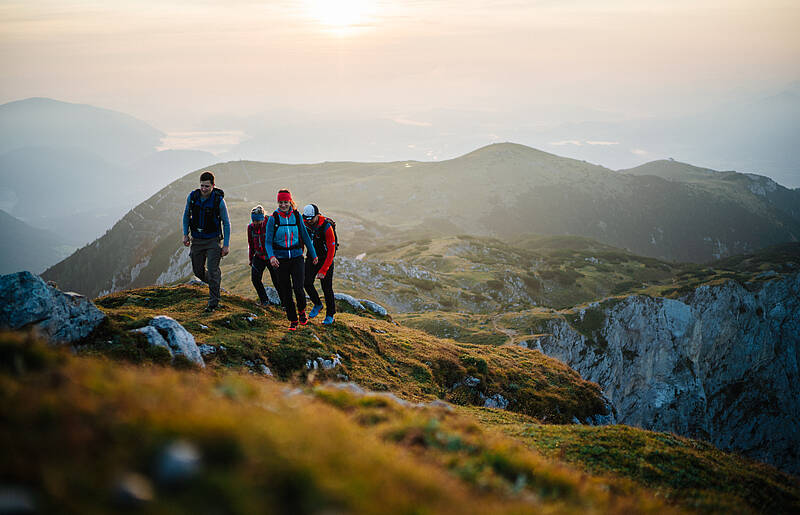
[287,240]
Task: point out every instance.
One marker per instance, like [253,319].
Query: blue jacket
[287,241]
[223,215]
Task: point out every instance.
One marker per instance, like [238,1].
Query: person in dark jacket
[206,219]
[323,237]
[256,234]
[286,235]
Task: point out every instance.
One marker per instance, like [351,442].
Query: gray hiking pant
[207,252]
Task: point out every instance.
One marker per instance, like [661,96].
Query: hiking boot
[293,325]
[328,320]
[303,318]
[315,311]
[211,309]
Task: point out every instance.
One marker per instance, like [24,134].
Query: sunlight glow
[339,13]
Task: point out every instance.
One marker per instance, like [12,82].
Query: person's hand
[186,240]
[225,250]
[274,262]
[320,276]
[315,260]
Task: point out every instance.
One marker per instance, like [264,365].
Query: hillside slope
[505,189]
[227,438]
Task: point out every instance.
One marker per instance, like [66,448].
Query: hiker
[256,234]
[323,236]
[207,216]
[286,234]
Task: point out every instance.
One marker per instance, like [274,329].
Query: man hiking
[322,231]
[206,219]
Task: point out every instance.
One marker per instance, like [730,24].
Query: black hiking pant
[256,275]
[326,283]
[290,278]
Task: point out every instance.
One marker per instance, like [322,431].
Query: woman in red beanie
[284,240]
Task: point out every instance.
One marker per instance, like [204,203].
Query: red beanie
[284,196]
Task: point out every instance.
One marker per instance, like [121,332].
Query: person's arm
[269,234]
[250,249]
[307,240]
[226,225]
[186,211]
[330,241]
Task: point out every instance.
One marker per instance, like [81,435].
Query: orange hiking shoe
[293,325]
[303,318]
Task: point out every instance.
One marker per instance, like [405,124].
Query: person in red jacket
[323,235]
[256,232]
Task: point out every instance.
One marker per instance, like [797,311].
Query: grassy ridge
[685,472]
[375,353]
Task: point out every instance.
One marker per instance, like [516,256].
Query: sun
[339,14]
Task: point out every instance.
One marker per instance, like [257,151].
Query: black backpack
[296,223]
[319,234]
[216,199]
[277,222]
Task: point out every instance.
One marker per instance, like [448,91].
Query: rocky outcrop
[27,301]
[166,332]
[361,304]
[720,364]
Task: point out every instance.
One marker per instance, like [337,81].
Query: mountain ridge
[648,215]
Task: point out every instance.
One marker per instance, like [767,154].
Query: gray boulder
[272,295]
[361,304]
[496,401]
[153,337]
[350,300]
[27,301]
[374,307]
[179,462]
[180,341]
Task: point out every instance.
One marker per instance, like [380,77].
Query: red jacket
[330,242]
[255,240]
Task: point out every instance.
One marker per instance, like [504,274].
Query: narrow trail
[510,333]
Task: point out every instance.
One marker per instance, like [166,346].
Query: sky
[199,65]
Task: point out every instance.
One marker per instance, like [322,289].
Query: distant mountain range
[505,190]
[29,248]
[76,169]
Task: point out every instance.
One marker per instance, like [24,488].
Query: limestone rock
[350,300]
[206,349]
[496,401]
[719,364]
[374,307]
[180,341]
[178,463]
[16,500]
[27,301]
[272,295]
[153,337]
[133,490]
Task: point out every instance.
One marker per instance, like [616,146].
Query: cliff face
[719,364]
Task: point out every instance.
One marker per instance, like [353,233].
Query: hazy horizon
[371,81]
